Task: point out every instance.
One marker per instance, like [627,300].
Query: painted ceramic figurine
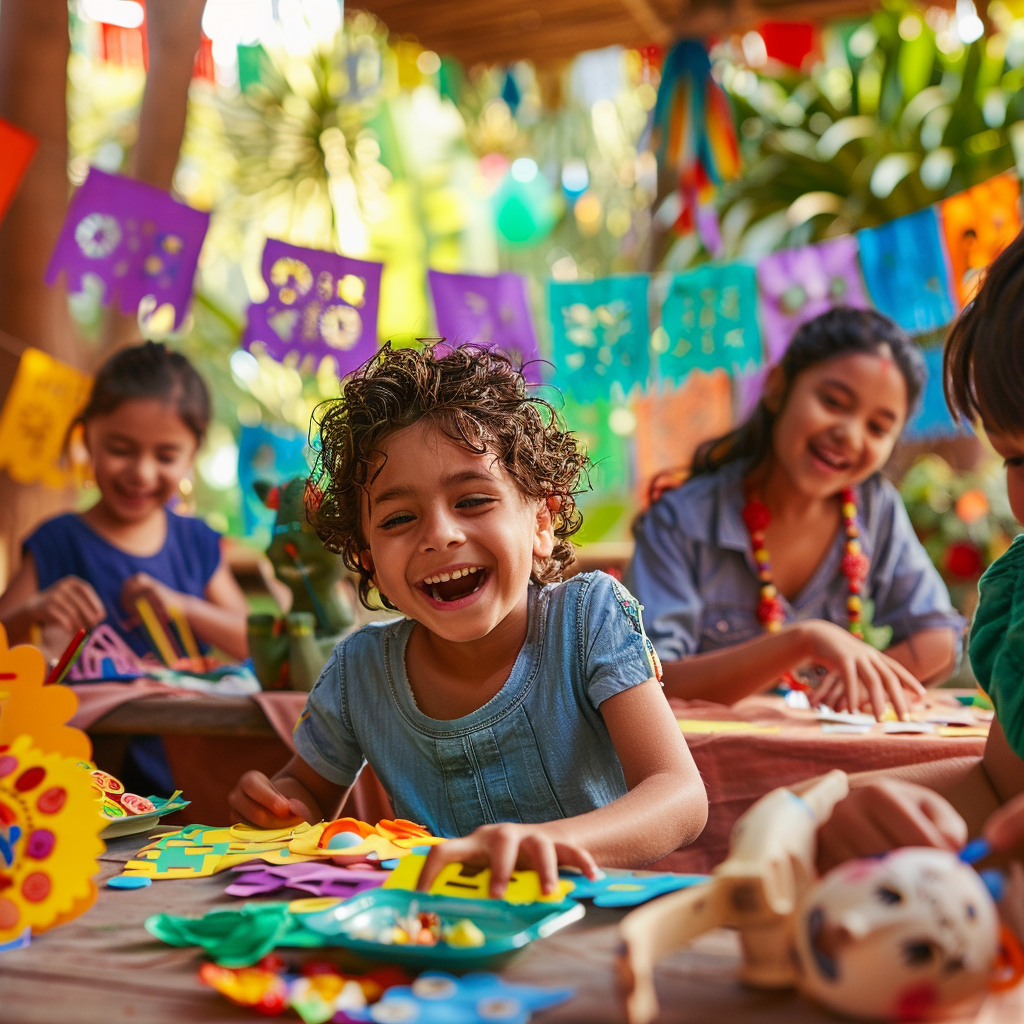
[290,652]
[898,937]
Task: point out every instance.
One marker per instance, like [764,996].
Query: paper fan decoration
[49,839]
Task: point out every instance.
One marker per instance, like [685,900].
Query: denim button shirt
[537,751]
[694,573]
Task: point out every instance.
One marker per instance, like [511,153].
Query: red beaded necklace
[770,612]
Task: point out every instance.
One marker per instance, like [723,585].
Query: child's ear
[544,538]
[366,560]
[774,390]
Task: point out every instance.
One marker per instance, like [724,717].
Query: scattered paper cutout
[134,241]
[906,271]
[49,838]
[40,407]
[600,335]
[471,883]
[27,707]
[387,840]
[492,311]
[320,304]
[477,998]
[796,285]
[700,725]
[319,880]
[709,322]
[627,889]
[978,225]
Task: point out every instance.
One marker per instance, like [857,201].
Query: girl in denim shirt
[758,567]
[519,712]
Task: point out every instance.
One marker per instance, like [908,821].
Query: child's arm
[69,604]
[865,675]
[666,807]
[218,618]
[296,793]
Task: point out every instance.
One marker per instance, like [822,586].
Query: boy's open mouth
[459,583]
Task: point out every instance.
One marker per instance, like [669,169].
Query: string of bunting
[136,242]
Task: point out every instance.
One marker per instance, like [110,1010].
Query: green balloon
[525,211]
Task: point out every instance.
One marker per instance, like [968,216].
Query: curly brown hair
[475,397]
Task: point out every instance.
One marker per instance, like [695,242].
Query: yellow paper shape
[51,832]
[41,405]
[964,730]
[27,708]
[696,725]
[454,880]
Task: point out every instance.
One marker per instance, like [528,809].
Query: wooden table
[103,967]
[191,715]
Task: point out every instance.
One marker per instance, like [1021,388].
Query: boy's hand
[860,674]
[162,597]
[70,604]
[1005,828]
[505,847]
[257,801]
[888,814]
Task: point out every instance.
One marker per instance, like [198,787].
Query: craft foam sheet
[797,285]
[49,839]
[492,311]
[600,334]
[320,880]
[907,272]
[320,304]
[709,320]
[626,889]
[124,237]
[978,225]
[471,883]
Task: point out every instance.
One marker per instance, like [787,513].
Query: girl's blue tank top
[68,546]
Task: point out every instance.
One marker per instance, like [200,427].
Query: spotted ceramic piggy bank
[899,937]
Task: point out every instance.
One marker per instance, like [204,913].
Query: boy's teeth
[457,574]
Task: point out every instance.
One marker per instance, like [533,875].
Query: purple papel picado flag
[136,242]
[320,304]
[491,311]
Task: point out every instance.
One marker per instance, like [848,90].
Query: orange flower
[972,505]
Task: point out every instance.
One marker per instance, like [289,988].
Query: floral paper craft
[490,311]
[978,225]
[40,407]
[49,839]
[799,284]
[906,271]
[320,304]
[136,242]
[600,334]
[710,320]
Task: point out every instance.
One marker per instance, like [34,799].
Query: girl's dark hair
[983,363]
[151,370]
[838,332]
[475,397]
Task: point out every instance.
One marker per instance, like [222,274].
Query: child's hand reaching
[257,801]
[505,847]
[888,814]
[859,674]
[159,595]
[70,604]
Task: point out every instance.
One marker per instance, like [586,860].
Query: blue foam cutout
[129,882]
[975,850]
[344,840]
[995,882]
[390,864]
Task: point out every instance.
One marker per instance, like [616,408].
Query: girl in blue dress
[144,422]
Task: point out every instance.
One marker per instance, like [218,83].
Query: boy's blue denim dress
[537,751]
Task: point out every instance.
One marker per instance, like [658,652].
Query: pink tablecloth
[737,767]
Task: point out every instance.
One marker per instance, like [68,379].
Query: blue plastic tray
[507,927]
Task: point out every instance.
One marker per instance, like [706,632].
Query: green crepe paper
[710,320]
[232,938]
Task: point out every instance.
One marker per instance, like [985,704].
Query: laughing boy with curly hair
[518,712]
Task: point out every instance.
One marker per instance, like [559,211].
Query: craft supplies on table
[128,813]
